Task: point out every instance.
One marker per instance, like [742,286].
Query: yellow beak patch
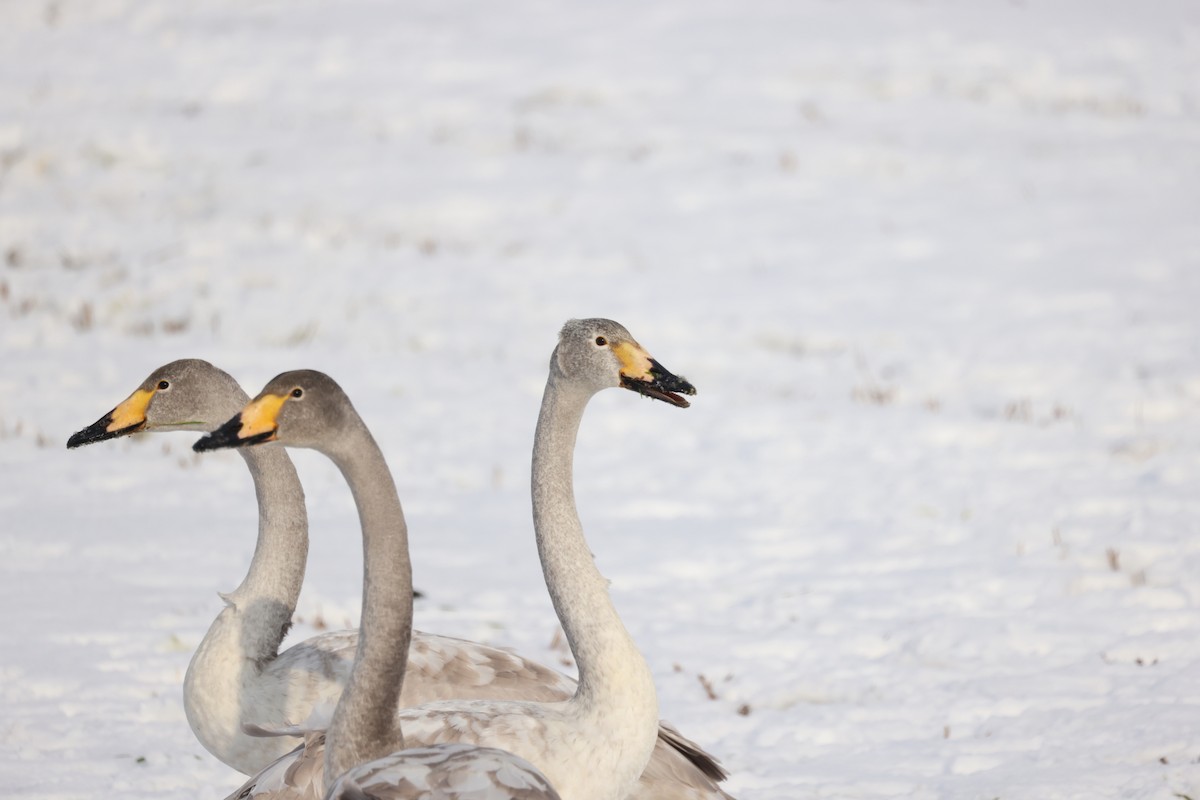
[260,415]
[635,362]
[131,412]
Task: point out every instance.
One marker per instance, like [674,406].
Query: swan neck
[246,636]
[612,673]
[363,726]
[276,571]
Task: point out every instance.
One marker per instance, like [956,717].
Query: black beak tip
[204,444]
[665,387]
[229,435]
[224,436]
[667,381]
[97,432]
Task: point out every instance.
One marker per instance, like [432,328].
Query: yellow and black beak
[642,374]
[254,424]
[127,418]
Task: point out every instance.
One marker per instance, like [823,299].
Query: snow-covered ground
[931,528]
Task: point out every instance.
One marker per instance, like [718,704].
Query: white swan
[596,744]
[308,409]
[238,677]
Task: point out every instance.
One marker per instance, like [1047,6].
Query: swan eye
[601,341]
[297,392]
[163,385]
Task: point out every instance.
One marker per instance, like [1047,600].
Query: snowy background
[931,528]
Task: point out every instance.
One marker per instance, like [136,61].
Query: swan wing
[439,668]
[454,770]
[446,668]
[293,776]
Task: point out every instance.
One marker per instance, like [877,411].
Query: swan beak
[127,418]
[642,374]
[254,424]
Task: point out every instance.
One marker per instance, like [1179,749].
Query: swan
[308,409]
[594,745]
[238,682]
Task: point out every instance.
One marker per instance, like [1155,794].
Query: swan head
[600,354]
[301,408]
[186,395]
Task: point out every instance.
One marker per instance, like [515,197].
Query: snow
[930,528]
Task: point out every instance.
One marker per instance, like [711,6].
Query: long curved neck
[220,685]
[363,726]
[267,596]
[612,673]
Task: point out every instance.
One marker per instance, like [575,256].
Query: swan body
[364,746]
[596,744]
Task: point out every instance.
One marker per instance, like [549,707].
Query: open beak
[642,374]
[129,417]
[254,424]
